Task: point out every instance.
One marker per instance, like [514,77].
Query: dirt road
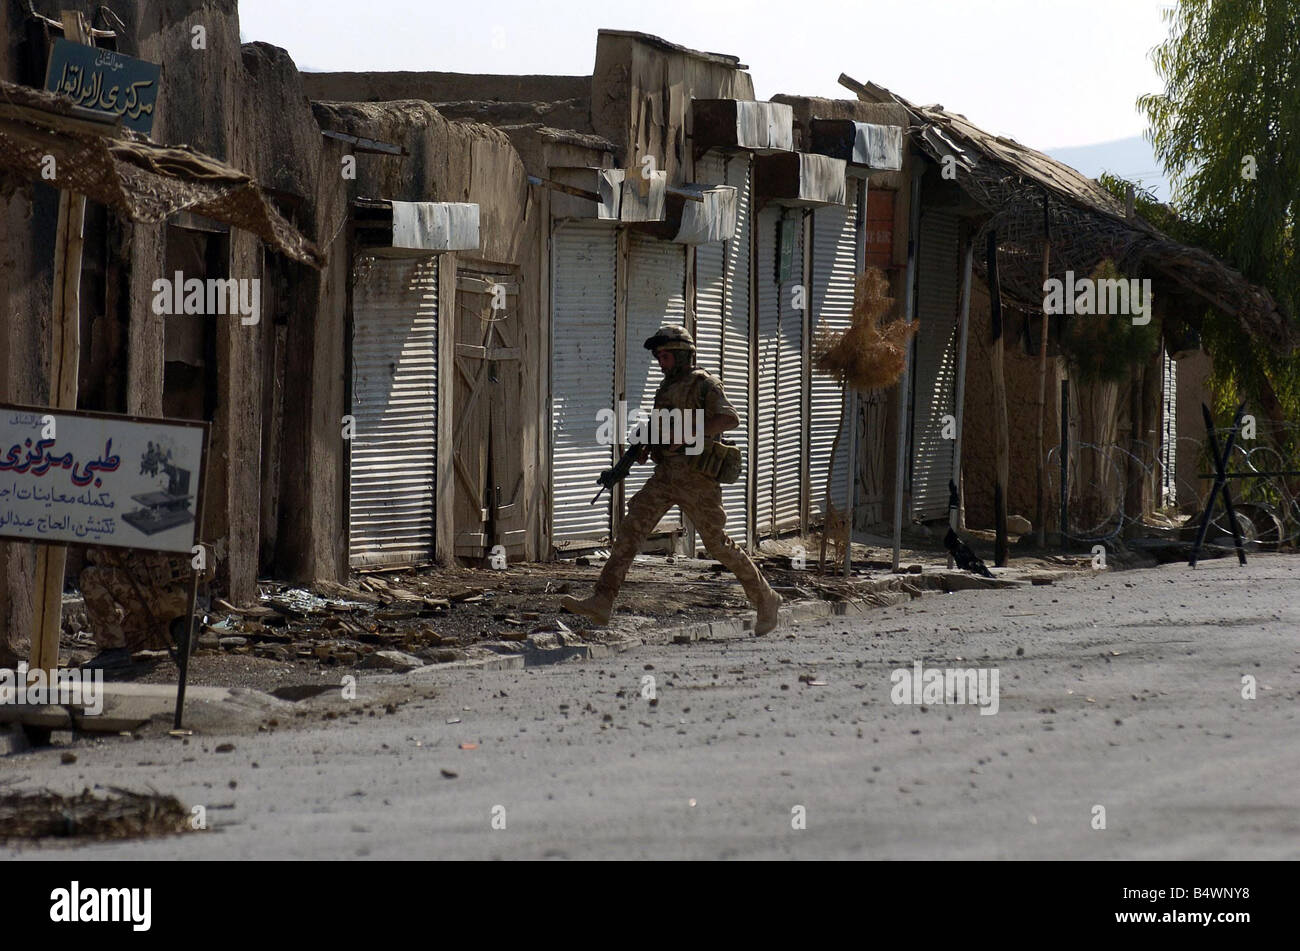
[1121,692]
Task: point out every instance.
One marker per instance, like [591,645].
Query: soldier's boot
[768,613]
[598,607]
[765,601]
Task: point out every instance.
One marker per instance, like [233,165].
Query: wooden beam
[1040,510]
[561,187]
[65,352]
[999,405]
[365,145]
[905,383]
[852,396]
[968,257]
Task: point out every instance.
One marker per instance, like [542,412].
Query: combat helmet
[671,337]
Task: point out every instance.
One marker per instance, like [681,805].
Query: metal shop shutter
[582,376]
[936,364]
[780,365]
[1169,431]
[722,321]
[834,267]
[395,403]
[656,295]
[710,277]
[736,354]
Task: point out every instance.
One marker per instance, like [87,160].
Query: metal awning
[859,143]
[800,179]
[615,195]
[742,124]
[697,214]
[415,228]
[143,180]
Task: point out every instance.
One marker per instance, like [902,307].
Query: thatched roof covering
[126,171]
[1012,182]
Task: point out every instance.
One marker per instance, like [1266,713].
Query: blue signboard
[104,81]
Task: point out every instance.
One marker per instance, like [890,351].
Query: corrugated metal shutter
[734,371]
[582,376]
[395,403]
[722,318]
[936,364]
[1169,433]
[780,366]
[710,277]
[834,266]
[656,295]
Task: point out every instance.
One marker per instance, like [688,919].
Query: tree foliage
[1227,131]
[1106,348]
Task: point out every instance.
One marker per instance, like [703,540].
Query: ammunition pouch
[721,460]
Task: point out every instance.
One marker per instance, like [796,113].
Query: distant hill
[1129,158]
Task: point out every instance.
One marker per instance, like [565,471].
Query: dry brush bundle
[867,355]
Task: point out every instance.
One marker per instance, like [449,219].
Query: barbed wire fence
[1267,506]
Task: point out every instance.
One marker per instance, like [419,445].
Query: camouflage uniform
[676,481]
[132,596]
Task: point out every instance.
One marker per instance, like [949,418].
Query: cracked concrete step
[127,706]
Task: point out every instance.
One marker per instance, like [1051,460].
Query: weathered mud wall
[443,87]
[641,95]
[979,427]
[979,439]
[27,215]
[466,162]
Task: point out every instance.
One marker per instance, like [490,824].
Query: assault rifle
[612,477]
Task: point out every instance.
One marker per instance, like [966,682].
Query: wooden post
[851,395]
[1065,466]
[999,406]
[967,256]
[65,352]
[1040,514]
[904,383]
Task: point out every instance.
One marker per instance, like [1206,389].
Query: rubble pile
[119,814]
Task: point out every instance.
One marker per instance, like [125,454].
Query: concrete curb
[129,706]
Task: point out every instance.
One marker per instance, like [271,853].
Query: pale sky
[1049,73]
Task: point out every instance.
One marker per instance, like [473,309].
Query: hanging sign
[104,81]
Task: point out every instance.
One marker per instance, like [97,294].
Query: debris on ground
[120,814]
[398,620]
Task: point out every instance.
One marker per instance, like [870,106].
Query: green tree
[1227,130]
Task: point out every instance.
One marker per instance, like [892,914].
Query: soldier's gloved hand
[644,454]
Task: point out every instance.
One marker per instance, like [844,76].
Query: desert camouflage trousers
[132,597]
[700,496]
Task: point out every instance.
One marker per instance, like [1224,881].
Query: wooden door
[487,455]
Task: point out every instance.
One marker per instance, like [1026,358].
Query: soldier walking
[684,480]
